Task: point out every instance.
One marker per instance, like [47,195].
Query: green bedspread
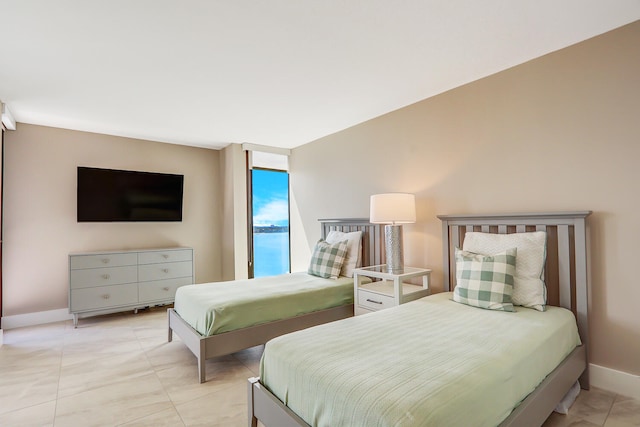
[214,308]
[431,362]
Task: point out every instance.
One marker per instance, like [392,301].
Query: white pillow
[529,289]
[353,249]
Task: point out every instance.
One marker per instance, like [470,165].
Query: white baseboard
[615,381]
[39,318]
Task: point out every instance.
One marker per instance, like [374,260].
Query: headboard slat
[581,276]
[564,267]
[379,245]
[551,271]
[455,236]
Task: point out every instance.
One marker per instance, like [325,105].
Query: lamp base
[393,248]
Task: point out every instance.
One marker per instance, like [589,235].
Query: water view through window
[270,204]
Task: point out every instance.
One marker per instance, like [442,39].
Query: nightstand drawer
[374,301]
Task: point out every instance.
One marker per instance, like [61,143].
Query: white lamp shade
[393,208]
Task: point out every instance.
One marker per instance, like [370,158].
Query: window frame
[250,225]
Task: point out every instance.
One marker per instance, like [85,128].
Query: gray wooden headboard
[566,264]
[372,237]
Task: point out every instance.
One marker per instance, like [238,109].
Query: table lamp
[393,209]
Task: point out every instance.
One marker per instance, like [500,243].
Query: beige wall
[40,226]
[557,133]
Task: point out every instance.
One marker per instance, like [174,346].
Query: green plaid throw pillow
[327,259]
[485,281]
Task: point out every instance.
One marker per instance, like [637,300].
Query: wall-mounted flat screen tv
[108,195]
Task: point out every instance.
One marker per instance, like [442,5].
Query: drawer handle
[106,276]
[106,296]
[166,288]
[165,256]
[166,270]
[373,301]
[105,260]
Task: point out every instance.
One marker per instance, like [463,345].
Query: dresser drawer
[373,300]
[169,270]
[157,257]
[161,290]
[77,262]
[103,297]
[93,277]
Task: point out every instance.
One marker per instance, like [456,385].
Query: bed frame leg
[202,374]
[201,370]
[584,379]
[253,421]
[169,330]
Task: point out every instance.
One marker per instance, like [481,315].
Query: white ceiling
[272,72]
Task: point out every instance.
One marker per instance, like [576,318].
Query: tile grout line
[155,372]
[244,364]
[55,405]
[613,402]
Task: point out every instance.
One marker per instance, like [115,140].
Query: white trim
[8,122]
[259,159]
[615,381]
[38,318]
[265,149]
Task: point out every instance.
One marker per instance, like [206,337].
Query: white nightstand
[390,290]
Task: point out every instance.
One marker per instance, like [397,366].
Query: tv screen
[108,195]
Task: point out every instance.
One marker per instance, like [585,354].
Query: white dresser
[106,282]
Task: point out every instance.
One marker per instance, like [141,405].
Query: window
[268,192]
[270,215]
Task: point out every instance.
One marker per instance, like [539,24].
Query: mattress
[214,308]
[430,362]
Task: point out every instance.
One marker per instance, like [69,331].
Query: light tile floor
[119,370]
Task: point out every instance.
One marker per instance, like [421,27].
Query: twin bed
[438,362]
[215,319]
